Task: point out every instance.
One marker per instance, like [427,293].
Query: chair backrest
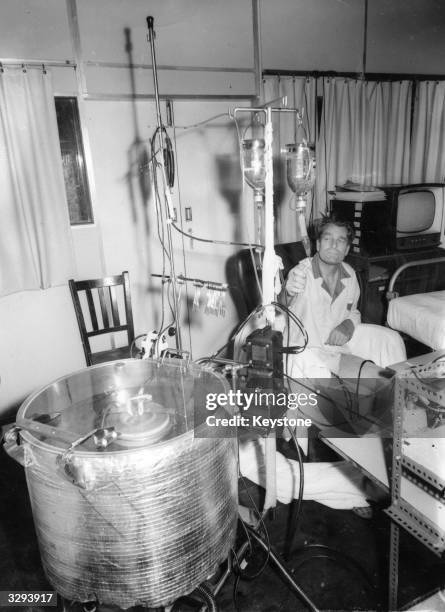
[103,306]
[243,277]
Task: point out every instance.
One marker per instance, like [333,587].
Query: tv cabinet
[374,273]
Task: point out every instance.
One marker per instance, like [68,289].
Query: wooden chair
[103,306]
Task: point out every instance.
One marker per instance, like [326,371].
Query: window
[73,159]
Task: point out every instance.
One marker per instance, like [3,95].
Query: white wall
[406,36]
[38,336]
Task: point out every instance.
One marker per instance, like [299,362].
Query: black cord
[169,160]
[357,401]
[334,557]
[237,579]
[292,526]
[317,392]
[244,575]
[160,231]
[184,259]
[438,358]
[346,393]
[211,241]
[299,324]
[133,344]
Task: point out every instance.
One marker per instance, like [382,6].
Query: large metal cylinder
[151,515]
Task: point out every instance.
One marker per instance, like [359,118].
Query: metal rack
[418,488]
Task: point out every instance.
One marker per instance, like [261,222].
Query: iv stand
[167,192]
[268,275]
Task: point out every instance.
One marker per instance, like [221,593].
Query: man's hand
[337,338]
[341,334]
[296,280]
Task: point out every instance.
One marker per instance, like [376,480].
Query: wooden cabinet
[375,272]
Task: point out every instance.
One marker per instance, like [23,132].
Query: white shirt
[320,312]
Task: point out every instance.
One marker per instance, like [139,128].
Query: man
[323,292]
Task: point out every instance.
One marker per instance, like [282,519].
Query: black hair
[333,219]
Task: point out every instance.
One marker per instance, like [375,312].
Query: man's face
[332,247]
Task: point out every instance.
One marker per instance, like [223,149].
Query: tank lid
[118,405]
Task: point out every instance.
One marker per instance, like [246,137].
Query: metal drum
[131,506]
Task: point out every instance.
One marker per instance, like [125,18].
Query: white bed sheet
[421,316]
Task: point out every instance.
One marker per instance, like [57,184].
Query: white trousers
[380,344]
[337,485]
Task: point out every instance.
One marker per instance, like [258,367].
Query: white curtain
[301,94]
[428,140]
[35,239]
[364,135]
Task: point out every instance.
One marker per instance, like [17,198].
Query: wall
[406,36]
[39,337]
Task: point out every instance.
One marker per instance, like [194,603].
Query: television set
[406,218]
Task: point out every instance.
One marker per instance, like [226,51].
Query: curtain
[364,135]
[428,138]
[35,238]
[301,94]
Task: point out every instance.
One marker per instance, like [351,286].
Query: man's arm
[295,282]
[343,332]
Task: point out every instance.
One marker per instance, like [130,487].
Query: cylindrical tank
[132,503]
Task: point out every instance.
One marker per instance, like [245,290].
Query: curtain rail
[33,62]
[122,65]
[369,76]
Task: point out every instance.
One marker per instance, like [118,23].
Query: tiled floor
[339,559]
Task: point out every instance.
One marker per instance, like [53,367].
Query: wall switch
[169,112]
[188,213]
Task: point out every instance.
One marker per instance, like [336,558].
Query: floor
[339,559]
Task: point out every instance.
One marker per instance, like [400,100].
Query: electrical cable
[184,261]
[299,324]
[317,392]
[202,593]
[357,400]
[211,241]
[346,393]
[206,594]
[436,359]
[427,383]
[169,161]
[292,524]
[133,344]
[334,557]
[244,575]
[236,582]
[161,235]
[204,122]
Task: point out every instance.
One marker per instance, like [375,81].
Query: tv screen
[415,211]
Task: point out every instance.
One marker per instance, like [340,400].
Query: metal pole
[273,557]
[167,193]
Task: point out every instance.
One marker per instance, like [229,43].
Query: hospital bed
[421,315]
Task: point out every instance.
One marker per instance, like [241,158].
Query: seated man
[323,292]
